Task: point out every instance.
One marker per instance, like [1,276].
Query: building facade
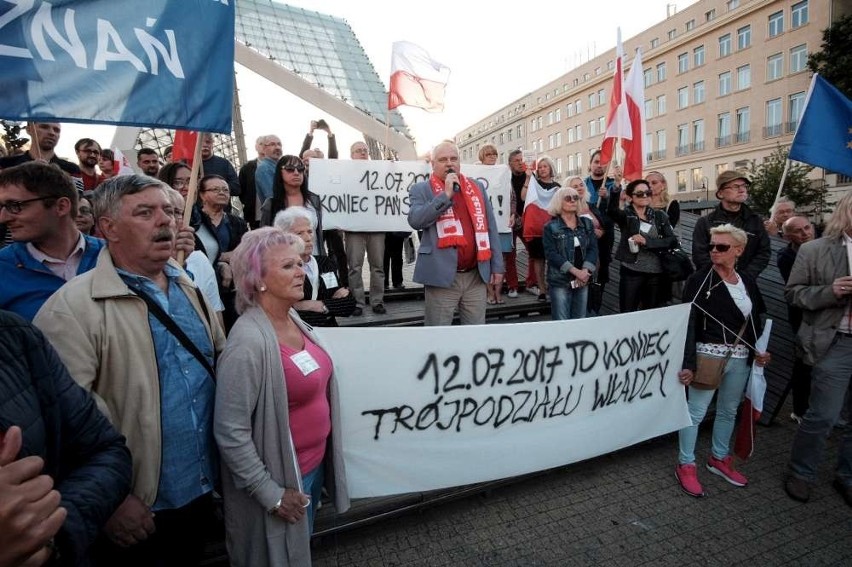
[725,84]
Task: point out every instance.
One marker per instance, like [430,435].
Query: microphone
[456,186]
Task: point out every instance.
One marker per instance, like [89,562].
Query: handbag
[676,264]
[710,369]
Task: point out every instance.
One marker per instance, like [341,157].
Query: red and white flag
[628,122]
[753,402]
[617,119]
[120,163]
[183,148]
[416,78]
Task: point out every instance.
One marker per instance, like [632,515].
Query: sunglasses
[571,198]
[292,168]
[641,194]
[719,247]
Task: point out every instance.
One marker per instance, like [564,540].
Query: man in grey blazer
[821,286]
[460,246]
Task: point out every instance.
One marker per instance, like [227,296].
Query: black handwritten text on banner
[429,408]
[372,196]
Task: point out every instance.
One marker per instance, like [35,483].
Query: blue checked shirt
[189,463]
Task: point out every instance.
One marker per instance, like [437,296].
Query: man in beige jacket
[138,334]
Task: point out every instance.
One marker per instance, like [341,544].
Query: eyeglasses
[218,190]
[736,186]
[719,247]
[641,194]
[571,198]
[93,152]
[292,168]
[180,183]
[15,207]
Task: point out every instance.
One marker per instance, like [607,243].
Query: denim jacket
[558,240]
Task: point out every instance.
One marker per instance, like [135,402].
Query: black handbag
[677,264]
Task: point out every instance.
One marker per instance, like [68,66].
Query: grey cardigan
[252,429]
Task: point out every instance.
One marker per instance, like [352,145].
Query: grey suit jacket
[817,265]
[437,266]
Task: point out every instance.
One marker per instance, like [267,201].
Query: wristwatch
[274,509]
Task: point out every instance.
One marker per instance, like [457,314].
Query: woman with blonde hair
[660,198]
[488,156]
[536,202]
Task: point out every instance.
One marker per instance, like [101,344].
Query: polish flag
[416,78]
[120,164]
[183,148]
[629,124]
[753,402]
[617,119]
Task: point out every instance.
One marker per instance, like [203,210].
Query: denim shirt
[189,463]
[558,240]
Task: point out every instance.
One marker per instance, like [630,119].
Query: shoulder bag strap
[178,333]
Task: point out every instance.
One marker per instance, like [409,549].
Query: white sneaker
[513,293]
[533,290]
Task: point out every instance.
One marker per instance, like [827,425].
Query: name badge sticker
[329,279]
[644,227]
[304,362]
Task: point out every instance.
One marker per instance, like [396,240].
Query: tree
[11,139]
[835,59]
[798,187]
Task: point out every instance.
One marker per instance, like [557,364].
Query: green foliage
[834,61]
[12,140]
[798,187]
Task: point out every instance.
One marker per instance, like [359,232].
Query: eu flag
[824,137]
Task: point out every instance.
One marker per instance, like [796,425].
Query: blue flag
[824,136]
[162,63]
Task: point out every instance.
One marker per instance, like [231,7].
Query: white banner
[372,195]
[435,407]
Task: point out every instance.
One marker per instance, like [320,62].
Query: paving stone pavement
[624,508]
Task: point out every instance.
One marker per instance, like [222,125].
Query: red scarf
[450,232]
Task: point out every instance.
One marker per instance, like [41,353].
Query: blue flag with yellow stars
[824,137]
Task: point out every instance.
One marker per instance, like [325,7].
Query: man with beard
[88,155]
[137,333]
[44,136]
[148,162]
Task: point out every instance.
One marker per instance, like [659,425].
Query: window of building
[799,14]
[698,92]
[649,145]
[586,77]
[721,168]
[661,72]
[661,141]
[509,135]
[683,97]
[648,76]
[578,105]
[601,96]
[593,127]
[682,140]
[661,105]
[558,115]
[698,179]
[558,139]
[743,37]
[796,105]
[683,63]
[725,83]
[649,108]
[520,131]
[655,42]
[776,23]
[725,45]
[550,142]
[672,34]
[532,125]
[698,135]
[774,117]
[502,138]
[698,56]
[723,129]
[540,145]
[743,124]
[733,4]
[550,118]
[592,100]
[710,15]
[570,135]
[579,131]
[690,25]
[775,67]
[559,166]
[569,110]
[743,77]
[681,180]
[579,160]
[572,163]
[601,124]
[798,58]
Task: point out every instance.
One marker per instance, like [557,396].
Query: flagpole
[781,185]
[192,193]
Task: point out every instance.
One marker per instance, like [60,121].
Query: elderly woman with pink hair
[277,415]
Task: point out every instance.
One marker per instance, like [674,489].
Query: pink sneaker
[725,469]
[687,476]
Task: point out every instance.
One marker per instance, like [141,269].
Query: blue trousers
[567,302]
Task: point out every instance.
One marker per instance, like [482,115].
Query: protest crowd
[167,376]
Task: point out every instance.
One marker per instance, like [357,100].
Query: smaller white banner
[372,195]
[435,407]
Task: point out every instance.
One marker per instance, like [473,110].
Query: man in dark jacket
[50,427]
[732,192]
